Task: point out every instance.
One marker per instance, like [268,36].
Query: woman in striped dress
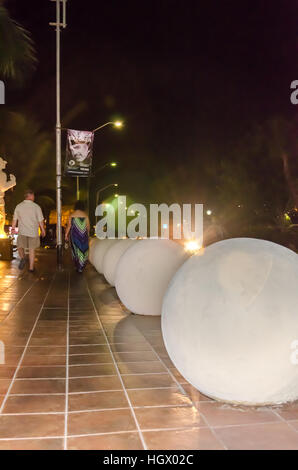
[77,231]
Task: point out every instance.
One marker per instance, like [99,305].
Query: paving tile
[31,426]
[6,372]
[94,384]
[148,381]
[121,441]
[100,422]
[86,334]
[4,385]
[141,367]
[35,404]
[38,386]
[97,400]
[140,356]
[158,397]
[131,347]
[269,436]
[41,372]
[91,359]
[30,360]
[94,370]
[288,411]
[12,359]
[32,444]
[169,417]
[186,439]
[178,376]
[294,424]
[102,348]
[194,394]
[220,414]
[48,341]
[87,340]
[46,351]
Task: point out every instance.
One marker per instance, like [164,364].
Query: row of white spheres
[229,314]
[140,270]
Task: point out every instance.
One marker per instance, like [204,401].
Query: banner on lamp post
[79,150]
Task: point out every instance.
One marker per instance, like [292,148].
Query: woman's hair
[79,206]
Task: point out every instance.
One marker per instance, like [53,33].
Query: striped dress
[79,242]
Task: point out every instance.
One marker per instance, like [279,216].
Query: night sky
[187,77]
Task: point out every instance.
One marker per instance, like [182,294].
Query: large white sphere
[229,318]
[144,272]
[100,250]
[112,257]
[92,243]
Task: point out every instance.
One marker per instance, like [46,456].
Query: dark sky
[187,76]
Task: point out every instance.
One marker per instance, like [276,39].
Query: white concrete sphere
[100,250]
[144,272]
[228,320]
[92,243]
[112,257]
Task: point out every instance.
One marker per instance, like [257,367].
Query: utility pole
[58,25]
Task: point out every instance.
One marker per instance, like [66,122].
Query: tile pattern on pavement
[81,372]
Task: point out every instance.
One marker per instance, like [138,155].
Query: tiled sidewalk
[82,373]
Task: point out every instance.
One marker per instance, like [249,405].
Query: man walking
[28,216]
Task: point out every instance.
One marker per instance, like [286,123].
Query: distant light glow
[118,124]
[165,226]
[208,212]
[192,246]
[113,164]
[287,217]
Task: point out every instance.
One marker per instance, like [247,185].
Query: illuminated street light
[117,124]
[208,212]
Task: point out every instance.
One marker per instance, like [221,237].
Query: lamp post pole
[103,189]
[58,25]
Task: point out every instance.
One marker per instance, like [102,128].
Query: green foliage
[30,154]
[17,53]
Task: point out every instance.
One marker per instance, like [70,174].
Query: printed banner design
[79,148]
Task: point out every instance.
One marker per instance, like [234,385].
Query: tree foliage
[17,53]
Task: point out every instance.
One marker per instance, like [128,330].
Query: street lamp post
[103,189]
[58,25]
[108,164]
[118,125]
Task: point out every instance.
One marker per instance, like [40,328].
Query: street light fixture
[117,124]
[103,189]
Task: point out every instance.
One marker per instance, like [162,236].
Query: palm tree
[17,53]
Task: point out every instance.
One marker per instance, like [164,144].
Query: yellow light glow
[113,164]
[116,184]
[208,212]
[192,246]
[116,195]
[118,124]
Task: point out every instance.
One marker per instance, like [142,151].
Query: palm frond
[17,53]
